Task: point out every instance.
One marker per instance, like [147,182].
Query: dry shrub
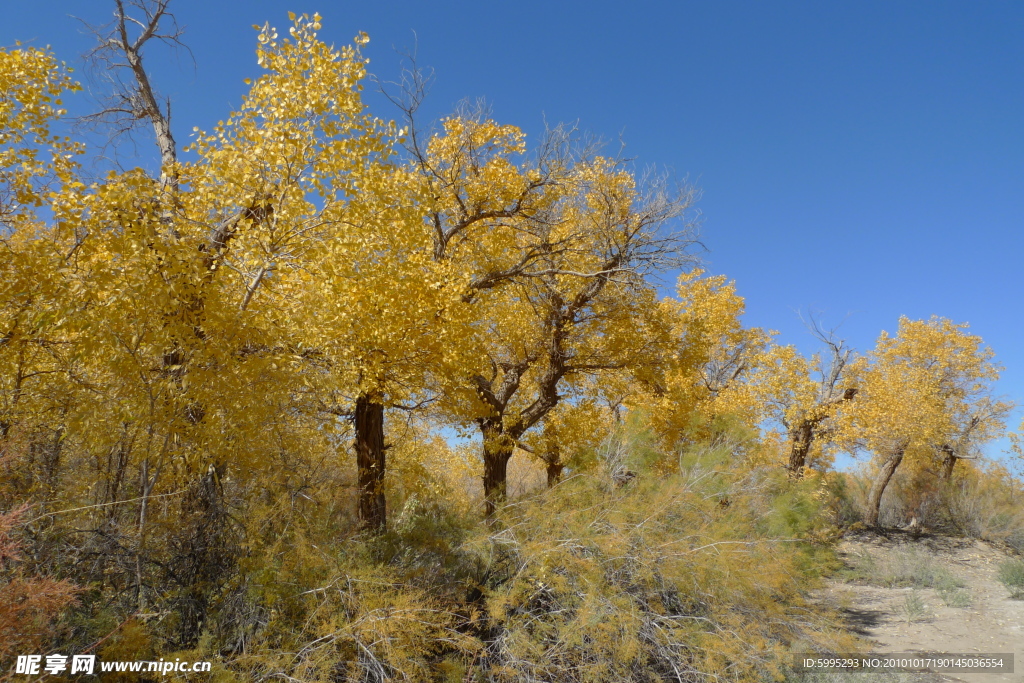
[359,608]
[903,567]
[686,577]
[983,500]
[29,605]
[694,576]
[362,625]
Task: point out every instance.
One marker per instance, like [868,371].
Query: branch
[130,103]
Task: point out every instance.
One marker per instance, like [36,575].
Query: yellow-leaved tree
[571,434]
[183,319]
[804,394]
[703,375]
[918,390]
[554,248]
[339,277]
[33,162]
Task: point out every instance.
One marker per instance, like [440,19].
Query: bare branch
[133,100]
[834,369]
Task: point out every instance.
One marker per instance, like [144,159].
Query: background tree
[572,432]
[132,99]
[803,395]
[989,416]
[916,391]
[702,374]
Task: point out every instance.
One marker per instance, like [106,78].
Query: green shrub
[903,568]
[1011,574]
[956,597]
[913,607]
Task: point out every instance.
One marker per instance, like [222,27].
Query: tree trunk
[878,488]
[948,463]
[554,472]
[497,450]
[802,435]
[553,459]
[369,425]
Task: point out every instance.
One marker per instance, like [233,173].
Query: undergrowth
[1011,574]
[902,568]
[701,574]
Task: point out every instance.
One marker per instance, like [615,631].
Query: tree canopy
[268,345]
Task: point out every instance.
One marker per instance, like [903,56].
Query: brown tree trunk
[802,436]
[878,488]
[553,459]
[369,423]
[554,472]
[497,450]
[948,463]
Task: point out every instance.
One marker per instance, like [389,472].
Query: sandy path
[992,623]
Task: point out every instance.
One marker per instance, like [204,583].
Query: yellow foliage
[32,159]
[920,389]
[709,358]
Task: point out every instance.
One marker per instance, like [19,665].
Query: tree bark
[554,468]
[369,425]
[878,488]
[802,436]
[497,451]
[948,463]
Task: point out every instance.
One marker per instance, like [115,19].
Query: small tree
[916,391]
[804,395]
[706,363]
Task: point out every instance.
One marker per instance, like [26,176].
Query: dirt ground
[907,619]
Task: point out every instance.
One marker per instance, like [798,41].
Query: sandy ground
[992,623]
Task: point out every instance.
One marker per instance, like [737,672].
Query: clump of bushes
[903,567]
[696,575]
[913,607]
[981,500]
[700,574]
[1011,574]
[691,565]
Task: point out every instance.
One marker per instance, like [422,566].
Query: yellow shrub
[682,576]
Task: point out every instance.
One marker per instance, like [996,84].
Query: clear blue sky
[862,158]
